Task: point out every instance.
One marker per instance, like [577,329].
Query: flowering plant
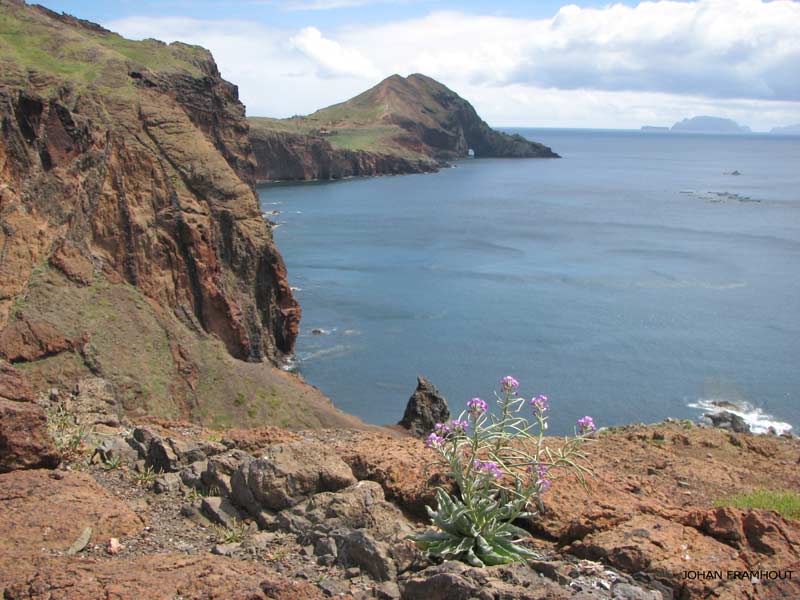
[501,467]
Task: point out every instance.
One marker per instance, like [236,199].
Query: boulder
[221,511]
[173,454]
[425,408]
[360,549]
[287,474]
[24,440]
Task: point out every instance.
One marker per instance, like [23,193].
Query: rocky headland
[402,125]
[150,445]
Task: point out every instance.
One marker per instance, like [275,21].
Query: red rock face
[154,185]
[24,441]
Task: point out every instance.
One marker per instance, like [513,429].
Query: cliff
[131,241]
[402,125]
[284,155]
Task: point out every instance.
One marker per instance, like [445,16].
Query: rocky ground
[156,509]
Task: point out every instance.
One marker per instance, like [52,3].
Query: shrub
[501,467]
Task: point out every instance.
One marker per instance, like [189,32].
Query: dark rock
[167,482]
[115,448]
[388,590]
[358,548]
[729,421]
[221,511]
[286,474]
[457,581]
[425,408]
[333,587]
[192,475]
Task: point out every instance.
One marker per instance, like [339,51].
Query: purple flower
[542,482]
[540,403]
[434,441]
[489,467]
[586,425]
[509,384]
[457,425]
[441,429]
[476,406]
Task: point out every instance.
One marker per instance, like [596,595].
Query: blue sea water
[634,279]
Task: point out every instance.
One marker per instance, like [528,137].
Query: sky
[531,63]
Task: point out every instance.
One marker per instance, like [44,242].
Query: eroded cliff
[130,233]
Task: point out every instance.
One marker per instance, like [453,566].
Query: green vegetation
[369,122]
[83,55]
[785,502]
[233,534]
[146,477]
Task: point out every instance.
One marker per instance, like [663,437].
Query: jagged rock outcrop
[426,407]
[408,124]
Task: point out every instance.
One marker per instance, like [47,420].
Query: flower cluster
[488,467]
[476,406]
[434,441]
[586,425]
[509,384]
[540,403]
[500,465]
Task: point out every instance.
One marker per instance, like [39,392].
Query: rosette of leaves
[458,537]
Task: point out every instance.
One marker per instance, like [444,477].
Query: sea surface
[634,279]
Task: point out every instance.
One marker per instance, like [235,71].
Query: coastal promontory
[402,125]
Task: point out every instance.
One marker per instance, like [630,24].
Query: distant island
[654,129]
[786,130]
[408,124]
[705,124]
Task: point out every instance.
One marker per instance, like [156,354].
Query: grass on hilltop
[34,42]
[785,502]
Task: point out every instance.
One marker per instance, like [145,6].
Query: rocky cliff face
[286,156]
[130,230]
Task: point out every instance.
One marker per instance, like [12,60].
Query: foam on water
[759,421]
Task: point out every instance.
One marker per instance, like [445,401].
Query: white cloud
[618,66]
[332,58]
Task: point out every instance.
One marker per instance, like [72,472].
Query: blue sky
[299,13]
[537,63]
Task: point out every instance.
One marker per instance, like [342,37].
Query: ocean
[634,279]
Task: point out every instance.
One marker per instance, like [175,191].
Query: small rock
[167,482]
[226,549]
[114,547]
[333,587]
[352,572]
[388,590]
[325,546]
[80,543]
[221,511]
[261,539]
